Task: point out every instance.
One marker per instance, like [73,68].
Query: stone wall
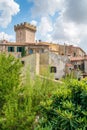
[29,36]
[25,33]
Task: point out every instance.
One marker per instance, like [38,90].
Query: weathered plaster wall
[30,64]
[85,66]
[51,59]
[59,62]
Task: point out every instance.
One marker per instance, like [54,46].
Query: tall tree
[9,76]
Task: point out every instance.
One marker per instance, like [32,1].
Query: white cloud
[64,31]
[46,7]
[76,11]
[70,24]
[8,8]
[4,36]
[33,22]
[45,26]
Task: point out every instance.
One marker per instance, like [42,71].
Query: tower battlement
[25,32]
[25,25]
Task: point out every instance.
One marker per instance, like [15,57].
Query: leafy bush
[67,109]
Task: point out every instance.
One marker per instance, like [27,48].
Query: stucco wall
[44,58]
[85,66]
[29,64]
[47,60]
[59,62]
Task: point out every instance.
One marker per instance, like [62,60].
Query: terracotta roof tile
[69,65]
[76,58]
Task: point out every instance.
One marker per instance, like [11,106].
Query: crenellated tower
[25,32]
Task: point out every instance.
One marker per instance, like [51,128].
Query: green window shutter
[17,49]
[8,49]
[12,49]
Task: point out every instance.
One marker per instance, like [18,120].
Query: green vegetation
[23,53]
[39,103]
[66,109]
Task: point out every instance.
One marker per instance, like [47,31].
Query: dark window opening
[75,67]
[22,62]
[56,78]
[53,69]
[74,54]
[81,67]
[19,49]
[10,49]
[22,50]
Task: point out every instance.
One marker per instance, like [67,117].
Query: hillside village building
[60,58]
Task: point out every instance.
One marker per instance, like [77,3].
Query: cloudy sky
[60,21]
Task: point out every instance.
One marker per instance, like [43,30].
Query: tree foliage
[20,99]
[9,76]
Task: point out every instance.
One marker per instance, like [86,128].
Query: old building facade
[56,56]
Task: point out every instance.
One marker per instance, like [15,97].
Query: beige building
[25,44]
[71,50]
[46,64]
[45,54]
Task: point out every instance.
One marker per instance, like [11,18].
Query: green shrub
[67,109]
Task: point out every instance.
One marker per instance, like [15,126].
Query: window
[19,49]
[81,67]
[74,53]
[10,49]
[53,69]
[30,51]
[75,67]
[22,62]
[56,78]
[22,50]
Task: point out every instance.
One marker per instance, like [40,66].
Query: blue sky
[59,21]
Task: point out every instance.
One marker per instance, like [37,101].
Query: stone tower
[25,33]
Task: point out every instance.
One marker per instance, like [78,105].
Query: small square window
[53,69]
[75,66]
[10,49]
[19,49]
[22,62]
